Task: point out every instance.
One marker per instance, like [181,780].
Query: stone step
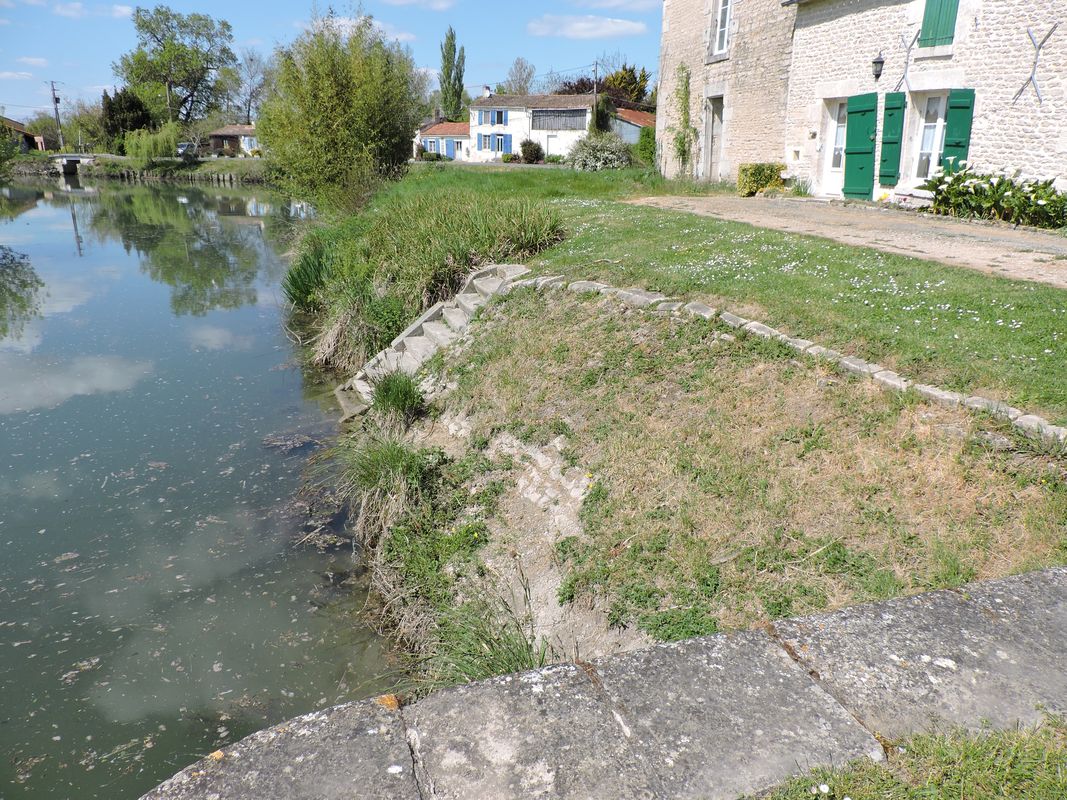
[382,364]
[487,287]
[351,403]
[510,272]
[439,333]
[363,388]
[469,303]
[456,318]
[421,347]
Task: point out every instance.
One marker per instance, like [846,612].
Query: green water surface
[153,605]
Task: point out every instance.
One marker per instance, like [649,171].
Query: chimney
[487,92]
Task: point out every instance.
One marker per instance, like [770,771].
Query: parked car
[187,149]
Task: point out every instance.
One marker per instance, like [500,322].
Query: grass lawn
[1028,763]
[736,483]
[952,327]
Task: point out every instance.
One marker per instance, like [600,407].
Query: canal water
[154,427]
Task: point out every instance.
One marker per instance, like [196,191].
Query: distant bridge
[69,161]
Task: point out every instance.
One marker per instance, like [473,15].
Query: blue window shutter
[480,112]
[506,117]
[478,143]
[507,141]
[492,142]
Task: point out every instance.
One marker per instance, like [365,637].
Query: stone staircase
[437,327]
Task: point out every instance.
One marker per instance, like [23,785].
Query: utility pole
[55,109]
[596,126]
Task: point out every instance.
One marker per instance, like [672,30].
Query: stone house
[883,92]
[449,139]
[738,54]
[867,98]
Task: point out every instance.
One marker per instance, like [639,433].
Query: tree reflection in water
[19,292]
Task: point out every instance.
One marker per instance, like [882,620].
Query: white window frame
[936,130]
[840,129]
[496,116]
[487,141]
[499,143]
[720,32]
[431,145]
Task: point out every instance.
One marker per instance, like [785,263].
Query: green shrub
[145,146]
[397,395]
[532,152]
[307,275]
[753,178]
[428,156]
[507,158]
[800,187]
[645,149]
[970,194]
[554,159]
[600,151]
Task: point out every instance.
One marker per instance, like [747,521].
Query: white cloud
[387,29]
[432,5]
[4,21]
[121,12]
[212,337]
[28,385]
[8,75]
[33,61]
[623,5]
[7,4]
[72,10]
[587,26]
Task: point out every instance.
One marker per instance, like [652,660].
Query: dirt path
[995,249]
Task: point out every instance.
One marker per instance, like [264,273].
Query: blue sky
[76,42]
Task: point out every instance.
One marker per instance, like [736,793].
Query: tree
[344,106]
[520,77]
[451,77]
[252,83]
[121,114]
[43,123]
[183,53]
[83,126]
[631,84]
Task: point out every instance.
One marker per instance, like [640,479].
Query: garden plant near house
[970,194]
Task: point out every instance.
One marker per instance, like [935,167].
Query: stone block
[701,310]
[857,366]
[891,380]
[940,396]
[353,750]
[733,320]
[668,308]
[726,716]
[798,344]
[764,331]
[639,298]
[587,286]
[991,651]
[550,281]
[994,407]
[546,734]
[1040,428]
[824,353]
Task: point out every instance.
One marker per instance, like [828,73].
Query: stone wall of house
[835,42]
[752,79]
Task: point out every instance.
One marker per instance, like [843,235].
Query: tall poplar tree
[451,77]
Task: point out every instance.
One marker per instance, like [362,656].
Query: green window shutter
[939,23]
[892,138]
[860,136]
[958,122]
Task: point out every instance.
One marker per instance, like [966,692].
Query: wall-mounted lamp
[877,65]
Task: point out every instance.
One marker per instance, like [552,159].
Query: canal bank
[155,423]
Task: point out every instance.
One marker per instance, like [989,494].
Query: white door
[552,148]
[833,181]
[713,139]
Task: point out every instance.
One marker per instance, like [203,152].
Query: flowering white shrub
[599,151]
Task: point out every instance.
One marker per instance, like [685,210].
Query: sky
[75,43]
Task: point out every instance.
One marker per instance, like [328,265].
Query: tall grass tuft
[397,397]
[382,477]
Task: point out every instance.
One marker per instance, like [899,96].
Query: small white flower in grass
[814,789]
[824,788]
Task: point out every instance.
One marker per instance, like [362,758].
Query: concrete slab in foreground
[715,717]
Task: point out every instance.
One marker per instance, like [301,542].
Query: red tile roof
[448,129]
[235,130]
[640,118]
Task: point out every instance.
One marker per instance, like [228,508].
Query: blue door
[450,148]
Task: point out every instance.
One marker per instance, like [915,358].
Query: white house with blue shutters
[449,139]
[500,123]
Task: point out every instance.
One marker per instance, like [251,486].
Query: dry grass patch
[735,483]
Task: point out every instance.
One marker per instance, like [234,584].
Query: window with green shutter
[892,138]
[959,119]
[939,23]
